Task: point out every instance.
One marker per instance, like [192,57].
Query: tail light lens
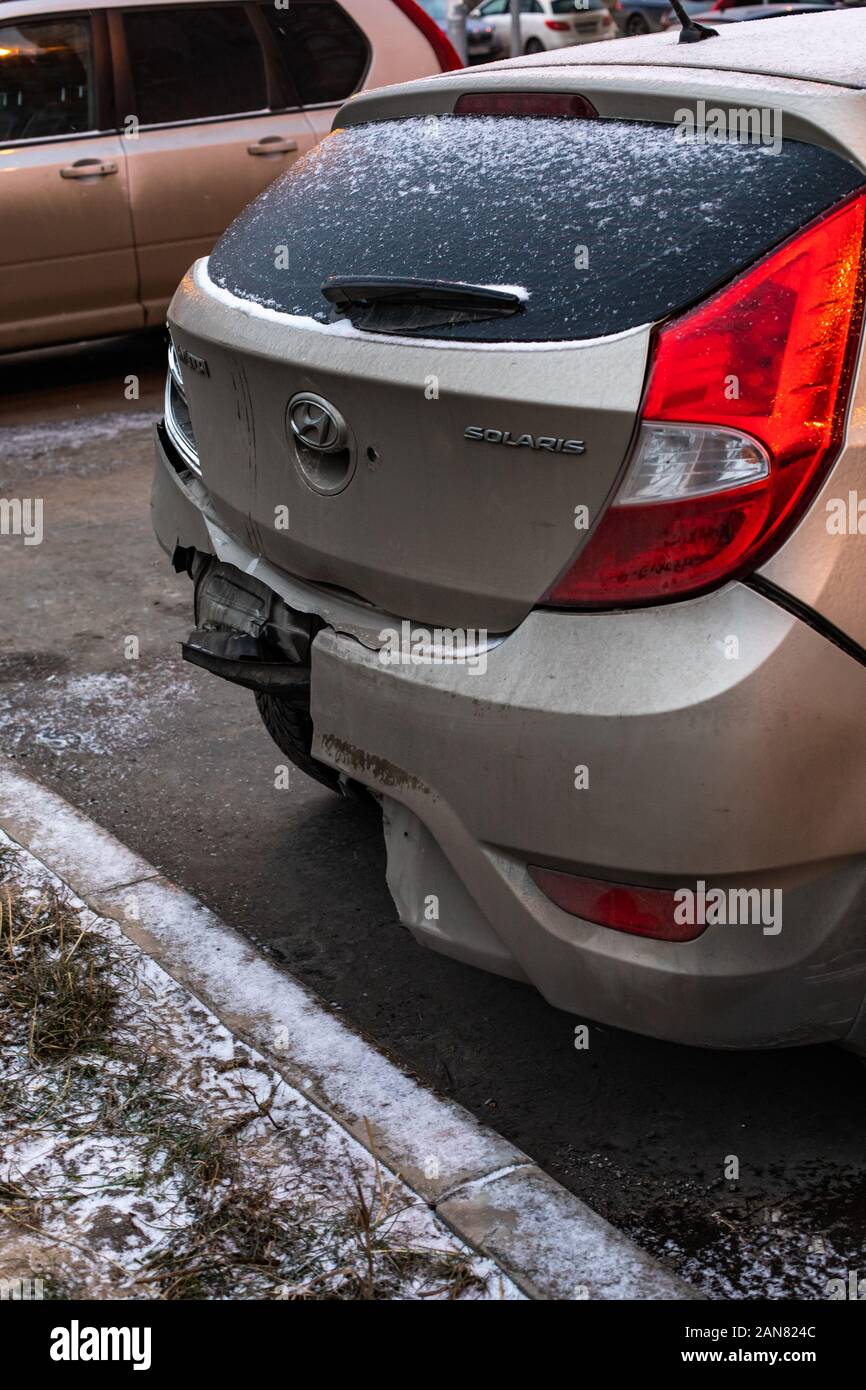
[621,906]
[559,25]
[524,104]
[446,54]
[743,415]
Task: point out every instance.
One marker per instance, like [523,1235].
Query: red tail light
[446,54]
[622,906]
[743,415]
[558,24]
[524,104]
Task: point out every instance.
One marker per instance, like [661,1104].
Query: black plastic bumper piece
[244,660]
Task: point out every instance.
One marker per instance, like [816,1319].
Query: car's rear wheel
[291,729]
[636,24]
[534,46]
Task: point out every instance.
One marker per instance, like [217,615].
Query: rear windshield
[602,225]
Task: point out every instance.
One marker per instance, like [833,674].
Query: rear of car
[564,23]
[549,24]
[541,539]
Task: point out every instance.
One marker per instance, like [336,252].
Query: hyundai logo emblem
[317,424]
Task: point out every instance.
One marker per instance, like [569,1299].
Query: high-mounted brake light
[622,906]
[446,54]
[743,415]
[525,104]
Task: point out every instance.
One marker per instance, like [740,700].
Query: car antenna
[689,31]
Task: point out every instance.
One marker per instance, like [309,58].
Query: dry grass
[245,1242]
[246,1239]
[55,976]
[85,1064]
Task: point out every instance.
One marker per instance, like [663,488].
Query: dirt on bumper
[688,776]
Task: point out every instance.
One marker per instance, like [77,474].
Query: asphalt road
[178,766]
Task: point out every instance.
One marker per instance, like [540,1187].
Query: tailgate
[447,469]
[422,521]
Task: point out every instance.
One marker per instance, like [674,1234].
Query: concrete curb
[487,1191]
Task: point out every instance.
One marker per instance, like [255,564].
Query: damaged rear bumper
[690,776]
[684,784]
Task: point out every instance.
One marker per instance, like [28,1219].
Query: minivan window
[193,63]
[604,225]
[324,51]
[47,84]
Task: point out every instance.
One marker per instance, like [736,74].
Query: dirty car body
[549,552]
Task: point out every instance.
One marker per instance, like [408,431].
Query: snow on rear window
[607,224]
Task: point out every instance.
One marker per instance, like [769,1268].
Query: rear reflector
[446,54]
[743,416]
[525,104]
[621,906]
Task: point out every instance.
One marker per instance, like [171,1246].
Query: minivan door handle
[273,144]
[88,169]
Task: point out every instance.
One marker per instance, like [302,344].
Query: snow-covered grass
[148,1153]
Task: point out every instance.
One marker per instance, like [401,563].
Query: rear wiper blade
[350,290]
[398,304]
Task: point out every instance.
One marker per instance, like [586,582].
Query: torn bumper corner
[432,902]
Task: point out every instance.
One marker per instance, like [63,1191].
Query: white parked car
[549,23]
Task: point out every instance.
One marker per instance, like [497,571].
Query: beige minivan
[132,134]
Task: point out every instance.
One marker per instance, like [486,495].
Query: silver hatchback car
[515,443]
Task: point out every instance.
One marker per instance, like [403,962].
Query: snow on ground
[76,446]
[98,713]
[171,1160]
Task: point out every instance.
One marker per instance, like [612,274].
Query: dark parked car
[645,16]
[735,14]
[482,42]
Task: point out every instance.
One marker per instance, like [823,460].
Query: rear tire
[636,24]
[534,46]
[292,731]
